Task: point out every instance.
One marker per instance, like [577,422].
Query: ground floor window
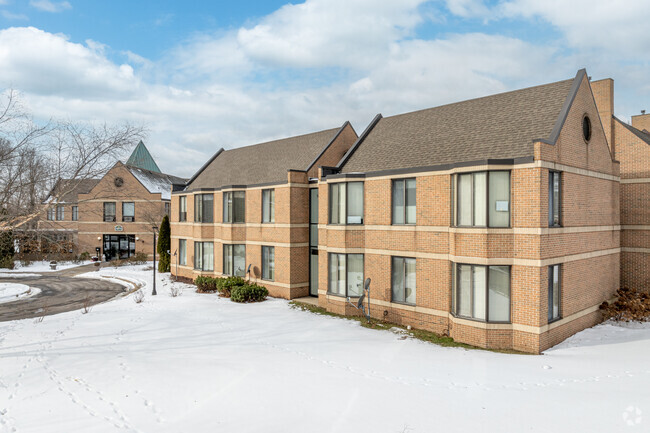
[553,292]
[481,292]
[204,256]
[403,280]
[268,263]
[346,274]
[182,252]
[234,260]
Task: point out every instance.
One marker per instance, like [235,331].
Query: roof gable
[643,135]
[502,126]
[141,158]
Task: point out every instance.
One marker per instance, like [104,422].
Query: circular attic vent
[586,128]
[119,182]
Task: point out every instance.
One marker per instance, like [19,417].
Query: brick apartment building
[496,221]
[115,213]
[250,206]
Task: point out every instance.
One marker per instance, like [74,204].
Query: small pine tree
[164,244]
[7,249]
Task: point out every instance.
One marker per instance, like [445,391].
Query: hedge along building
[248,208]
[631,144]
[494,220]
[115,213]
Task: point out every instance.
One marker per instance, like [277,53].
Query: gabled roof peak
[141,158]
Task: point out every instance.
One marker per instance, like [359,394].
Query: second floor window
[234,207]
[346,203]
[404,201]
[182,208]
[554,199]
[203,208]
[60,213]
[75,213]
[51,214]
[482,199]
[109,212]
[128,211]
[268,205]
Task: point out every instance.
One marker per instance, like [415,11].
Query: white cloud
[468,8]
[50,6]
[12,16]
[247,85]
[321,33]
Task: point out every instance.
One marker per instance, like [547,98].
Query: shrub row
[235,288]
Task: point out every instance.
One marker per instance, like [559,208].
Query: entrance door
[313,242]
[119,246]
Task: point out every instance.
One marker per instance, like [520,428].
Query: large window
[268,263]
[203,208]
[268,206]
[182,252]
[204,256]
[60,213]
[553,292]
[234,260]
[51,214]
[75,213]
[109,212]
[404,201]
[403,280]
[482,199]
[346,203]
[182,208]
[128,211]
[554,199]
[234,208]
[346,274]
[482,292]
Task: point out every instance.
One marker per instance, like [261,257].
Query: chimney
[603,91]
[641,121]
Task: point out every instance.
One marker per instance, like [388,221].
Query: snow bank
[44,266]
[200,363]
[10,292]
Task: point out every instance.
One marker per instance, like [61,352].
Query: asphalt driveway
[60,292]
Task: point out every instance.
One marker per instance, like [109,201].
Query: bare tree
[36,157]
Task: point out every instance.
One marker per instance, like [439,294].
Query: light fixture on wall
[137,238]
[99,238]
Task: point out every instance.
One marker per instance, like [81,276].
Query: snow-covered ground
[198,363]
[43,266]
[10,292]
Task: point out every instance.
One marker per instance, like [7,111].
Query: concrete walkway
[61,291]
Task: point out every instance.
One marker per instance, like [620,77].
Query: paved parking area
[60,292]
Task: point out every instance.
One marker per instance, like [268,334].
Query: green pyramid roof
[141,158]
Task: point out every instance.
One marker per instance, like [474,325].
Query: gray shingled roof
[643,135]
[500,126]
[262,163]
[68,190]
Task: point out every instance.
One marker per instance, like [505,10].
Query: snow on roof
[156,183]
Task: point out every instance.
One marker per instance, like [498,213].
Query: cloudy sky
[205,75]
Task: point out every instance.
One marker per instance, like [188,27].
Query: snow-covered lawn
[10,292]
[198,363]
[43,266]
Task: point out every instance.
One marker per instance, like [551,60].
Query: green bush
[7,262]
[85,256]
[248,293]
[225,285]
[205,284]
